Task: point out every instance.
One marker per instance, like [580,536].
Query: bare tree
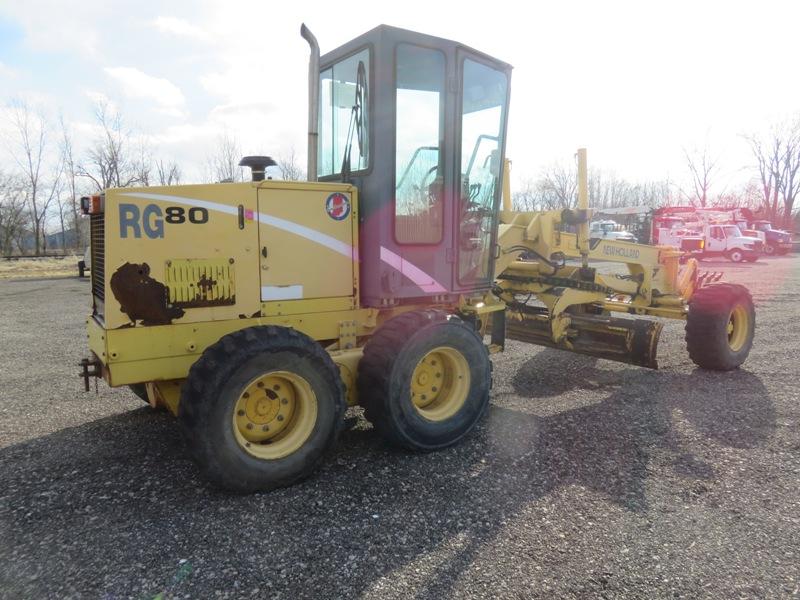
[108,162]
[223,164]
[70,184]
[13,213]
[167,173]
[289,167]
[142,163]
[790,181]
[777,156]
[768,159]
[703,168]
[30,152]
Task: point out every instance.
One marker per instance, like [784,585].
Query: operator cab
[418,124]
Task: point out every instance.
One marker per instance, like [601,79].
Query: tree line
[40,190]
[770,193]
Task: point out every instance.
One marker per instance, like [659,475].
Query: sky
[634,82]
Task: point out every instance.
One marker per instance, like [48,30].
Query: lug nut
[260,384]
[246,395]
[284,401]
[280,417]
[265,428]
[240,413]
[276,387]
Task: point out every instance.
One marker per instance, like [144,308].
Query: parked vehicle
[704,235]
[85,264]
[775,241]
[610,230]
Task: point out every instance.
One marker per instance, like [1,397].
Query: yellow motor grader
[257,312]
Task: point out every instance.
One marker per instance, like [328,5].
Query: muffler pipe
[313,102]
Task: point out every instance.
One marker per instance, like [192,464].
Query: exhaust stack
[313,102]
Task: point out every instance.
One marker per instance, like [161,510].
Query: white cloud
[137,84]
[180,27]
[6,71]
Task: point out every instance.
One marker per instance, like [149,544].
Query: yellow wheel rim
[274,415]
[738,328]
[440,383]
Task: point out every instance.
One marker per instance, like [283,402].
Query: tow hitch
[90,368]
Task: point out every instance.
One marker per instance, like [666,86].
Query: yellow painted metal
[193,282]
[166,394]
[507,205]
[440,383]
[289,260]
[347,361]
[274,415]
[311,306]
[323,266]
[583,205]
[738,327]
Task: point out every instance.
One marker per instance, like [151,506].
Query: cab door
[484,95]
[716,239]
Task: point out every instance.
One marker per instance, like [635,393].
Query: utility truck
[705,236]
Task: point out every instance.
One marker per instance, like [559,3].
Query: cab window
[419,183]
[482,124]
[344,116]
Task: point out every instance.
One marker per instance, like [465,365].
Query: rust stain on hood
[141,297]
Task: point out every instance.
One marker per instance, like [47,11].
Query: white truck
[610,230]
[689,229]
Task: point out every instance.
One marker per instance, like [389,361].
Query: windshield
[732,231]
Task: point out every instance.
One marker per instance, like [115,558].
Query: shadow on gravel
[111,507]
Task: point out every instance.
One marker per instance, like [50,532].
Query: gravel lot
[586,479]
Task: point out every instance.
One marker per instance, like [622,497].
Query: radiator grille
[97,230]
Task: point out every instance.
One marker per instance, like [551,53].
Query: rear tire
[736,255]
[720,326]
[424,380]
[260,408]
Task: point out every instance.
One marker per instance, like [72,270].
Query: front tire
[424,380]
[720,326]
[260,408]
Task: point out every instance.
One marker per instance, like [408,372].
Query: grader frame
[256,312]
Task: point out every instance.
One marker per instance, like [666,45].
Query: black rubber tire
[210,393]
[736,255]
[384,379]
[706,326]
[770,250]
[140,390]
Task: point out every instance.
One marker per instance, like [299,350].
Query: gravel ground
[586,479]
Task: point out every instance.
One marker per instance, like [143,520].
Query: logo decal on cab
[337,206]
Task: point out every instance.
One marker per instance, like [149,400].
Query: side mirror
[494,162]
